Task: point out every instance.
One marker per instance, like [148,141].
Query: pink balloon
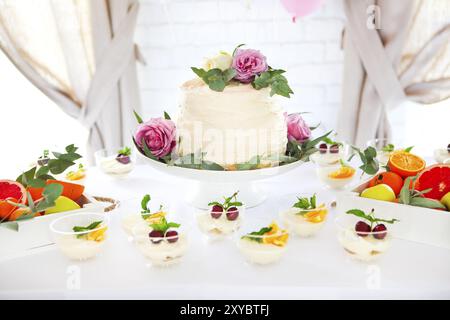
[301,8]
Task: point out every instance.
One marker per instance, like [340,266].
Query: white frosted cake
[228,119]
[232,126]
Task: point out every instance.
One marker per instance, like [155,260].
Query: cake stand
[209,185]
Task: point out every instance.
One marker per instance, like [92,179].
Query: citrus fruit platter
[408,191]
[46,191]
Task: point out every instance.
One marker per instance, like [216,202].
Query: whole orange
[392,179]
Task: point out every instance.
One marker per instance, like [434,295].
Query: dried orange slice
[405,164]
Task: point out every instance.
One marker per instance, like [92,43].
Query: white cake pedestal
[210,185]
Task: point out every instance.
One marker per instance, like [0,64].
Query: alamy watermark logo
[373,17]
[73,281]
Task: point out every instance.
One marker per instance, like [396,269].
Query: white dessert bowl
[81,245]
[362,246]
[164,251]
[106,160]
[259,249]
[302,222]
[219,226]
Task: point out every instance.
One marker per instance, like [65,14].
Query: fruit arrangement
[229,206]
[407,180]
[272,234]
[37,192]
[371,225]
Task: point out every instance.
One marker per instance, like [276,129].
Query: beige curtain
[81,54]
[394,50]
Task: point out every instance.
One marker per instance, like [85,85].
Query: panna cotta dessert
[336,176]
[161,241]
[368,238]
[305,217]
[80,236]
[265,246]
[149,210]
[115,162]
[442,155]
[222,218]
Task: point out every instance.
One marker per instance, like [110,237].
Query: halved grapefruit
[10,191]
[436,177]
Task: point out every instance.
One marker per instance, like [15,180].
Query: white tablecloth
[312,268]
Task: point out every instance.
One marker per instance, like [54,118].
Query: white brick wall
[177,34]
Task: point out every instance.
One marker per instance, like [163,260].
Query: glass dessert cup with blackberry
[116,162]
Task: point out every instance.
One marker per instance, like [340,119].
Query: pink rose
[159,134]
[247,64]
[297,128]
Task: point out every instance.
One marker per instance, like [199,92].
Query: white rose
[221,61]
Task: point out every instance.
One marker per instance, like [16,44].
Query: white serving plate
[210,184]
[428,226]
[34,234]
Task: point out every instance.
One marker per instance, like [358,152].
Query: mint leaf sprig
[410,196]
[163,225]
[126,151]
[368,158]
[370,217]
[216,79]
[228,203]
[36,177]
[390,147]
[276,80]
[306,204]
[90,227]
[146,212]
[257,235]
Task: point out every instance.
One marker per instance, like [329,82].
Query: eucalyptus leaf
[426,203]
[138,117]
[11,225]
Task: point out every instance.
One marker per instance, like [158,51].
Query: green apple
[446,200]
[379,192]
[62,204]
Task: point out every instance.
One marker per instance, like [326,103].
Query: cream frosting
[232,126]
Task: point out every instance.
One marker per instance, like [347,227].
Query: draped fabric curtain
[394,51]
[81,54]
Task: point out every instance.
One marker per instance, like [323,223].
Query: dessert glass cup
[307,224]
[131,215]
[323,172]
[73,244]
[105,159]
[361,246]
[219,228]
[161,251]
[259,249]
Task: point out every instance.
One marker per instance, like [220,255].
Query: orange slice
[316,216]
[342,173]
[405,164]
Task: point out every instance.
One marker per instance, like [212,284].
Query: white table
[312,268]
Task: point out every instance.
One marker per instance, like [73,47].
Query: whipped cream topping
[164,253]
[363,248]
[298,224]
[78,248]
[232,126]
